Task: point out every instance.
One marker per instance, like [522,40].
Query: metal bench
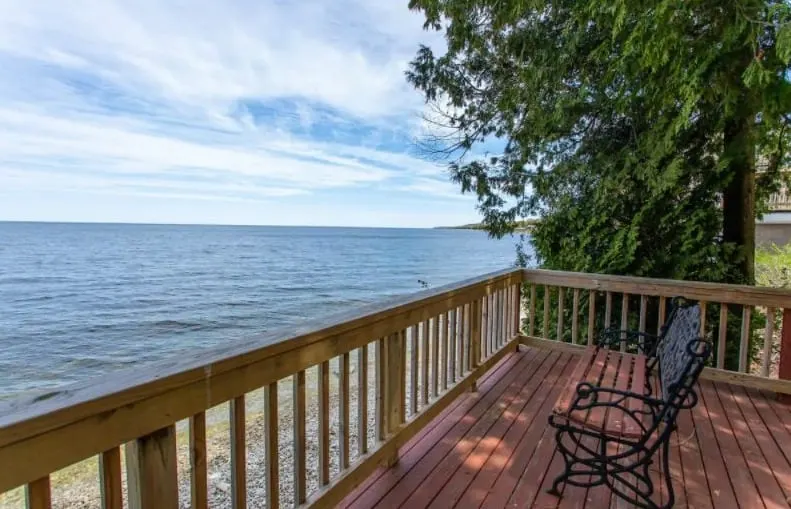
[618,411]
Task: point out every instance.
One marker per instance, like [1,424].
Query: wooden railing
[748,326]
[427,349]
[398,366]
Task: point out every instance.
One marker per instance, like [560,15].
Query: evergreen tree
[634,129]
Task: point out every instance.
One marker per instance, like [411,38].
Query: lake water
[78,300]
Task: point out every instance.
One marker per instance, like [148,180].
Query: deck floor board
[493,448]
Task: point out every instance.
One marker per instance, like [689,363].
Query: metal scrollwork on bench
[621,456]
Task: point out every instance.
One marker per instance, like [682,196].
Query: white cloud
[434,187]
[210,100]
[348,55]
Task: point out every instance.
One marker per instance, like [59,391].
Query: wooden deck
[493,448]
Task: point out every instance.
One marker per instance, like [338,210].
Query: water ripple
[78,300]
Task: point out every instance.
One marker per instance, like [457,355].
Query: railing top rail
[712,292]
[26,417]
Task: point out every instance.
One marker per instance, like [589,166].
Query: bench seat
[608,368]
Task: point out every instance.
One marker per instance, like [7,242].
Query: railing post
[395,382]
[38,494]
[784,371]
[151,470]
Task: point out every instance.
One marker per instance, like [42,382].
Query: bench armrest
[644,342]
[635,407]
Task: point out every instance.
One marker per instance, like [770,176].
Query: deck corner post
[151,470]
[784,371]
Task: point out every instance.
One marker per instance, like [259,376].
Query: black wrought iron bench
[616,416]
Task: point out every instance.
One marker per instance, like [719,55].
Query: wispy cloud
[238,100]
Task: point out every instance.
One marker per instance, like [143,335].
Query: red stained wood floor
[493,448]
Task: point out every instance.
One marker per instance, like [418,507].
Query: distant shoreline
[525,226]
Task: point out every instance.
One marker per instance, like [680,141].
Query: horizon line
[130,223]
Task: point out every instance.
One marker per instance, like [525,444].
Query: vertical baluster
[511,312]
[769,332]
[531,327]
[272,448]
[561,303]
[643,312]
[496,317]
[362,398]
[38,495]
[476,332]
[506,293]
[444,354]
[516,328]
[493,322]
[324,423]
[575,312]
[110,479]
[546,312]
[607,309]
[424,363]
[452,346]
[591,316]
[238,454]
[491,331]
[624,319]
[151,470]
[413,370]
[485,327]
[401,349]
[784,369]
[458,333]
[463,334]
[198,473]
[343,412]
[702,318]
[435,356]
[744,346]
[502,318]
[469,349]
[300,478]
[661,317]
[462,343]
[380,373]
[723,335]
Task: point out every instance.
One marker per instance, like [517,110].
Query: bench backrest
[681,353]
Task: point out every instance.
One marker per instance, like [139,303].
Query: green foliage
[773,266]
[633,129]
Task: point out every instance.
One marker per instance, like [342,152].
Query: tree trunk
[738,204]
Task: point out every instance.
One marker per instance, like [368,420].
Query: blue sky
[199,111]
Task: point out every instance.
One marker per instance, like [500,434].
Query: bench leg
[588,472]
[629,483]
[638,489]
[563,477]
